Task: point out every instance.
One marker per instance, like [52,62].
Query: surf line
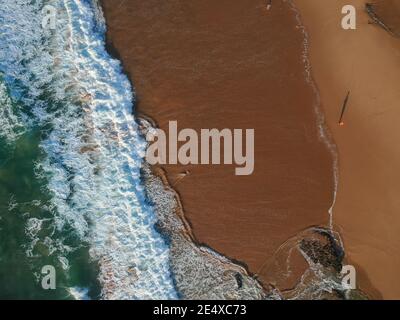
[346,100]
[197,150]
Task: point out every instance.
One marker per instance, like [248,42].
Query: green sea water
[24,200]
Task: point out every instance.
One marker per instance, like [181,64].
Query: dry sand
[365,61]
[231,64]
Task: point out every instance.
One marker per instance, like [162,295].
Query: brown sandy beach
[224,64]
[386,14]
[365,62]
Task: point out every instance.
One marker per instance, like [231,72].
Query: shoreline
[159,172]
[324,131]
[150,176]
[363,61]
[310,217]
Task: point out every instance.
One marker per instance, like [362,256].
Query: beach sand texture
[366,62]
[232,64]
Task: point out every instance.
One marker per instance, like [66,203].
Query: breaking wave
[68,86]
[11,125]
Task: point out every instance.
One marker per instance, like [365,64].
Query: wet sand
[365,62]
[386,14]
[231,64]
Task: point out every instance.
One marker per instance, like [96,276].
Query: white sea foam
[79,293]
[11,126]
[323,131]
[66,80]
[33,226]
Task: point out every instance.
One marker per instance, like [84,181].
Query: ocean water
[71,195]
